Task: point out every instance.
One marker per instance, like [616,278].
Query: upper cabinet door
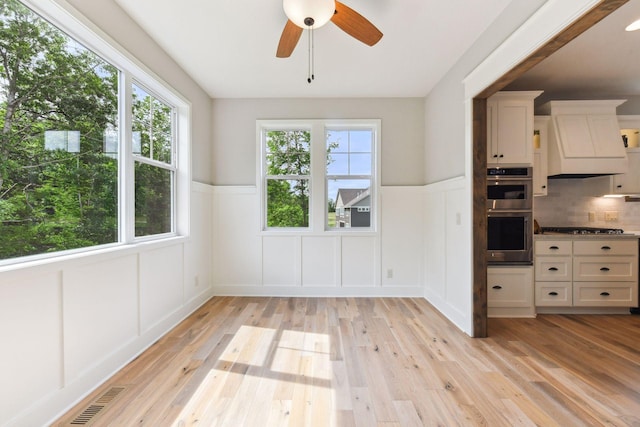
[510,128]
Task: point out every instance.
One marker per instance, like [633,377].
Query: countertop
[601,236]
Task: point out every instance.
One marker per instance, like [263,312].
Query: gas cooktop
[581,230]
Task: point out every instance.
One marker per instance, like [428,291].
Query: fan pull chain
[310,73]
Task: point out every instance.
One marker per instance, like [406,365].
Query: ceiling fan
[312,14]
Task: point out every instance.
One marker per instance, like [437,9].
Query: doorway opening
[479,151]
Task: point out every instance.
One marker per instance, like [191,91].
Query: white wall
[446,259]
[247,261]
[234,136]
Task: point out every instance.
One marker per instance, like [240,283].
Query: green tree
[153,199]
[289,162]
[53,199]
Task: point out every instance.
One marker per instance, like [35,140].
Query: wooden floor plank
[348,362]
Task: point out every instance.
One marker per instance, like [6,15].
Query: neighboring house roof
[347,197]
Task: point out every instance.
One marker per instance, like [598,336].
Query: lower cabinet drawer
[614,268]
[552,268]
[509,295]
[605,294]
[553,294]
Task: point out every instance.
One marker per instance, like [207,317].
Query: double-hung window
[318,175]
[91,147]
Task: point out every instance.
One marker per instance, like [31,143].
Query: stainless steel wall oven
[509,216]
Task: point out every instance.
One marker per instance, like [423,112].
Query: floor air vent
[89,415]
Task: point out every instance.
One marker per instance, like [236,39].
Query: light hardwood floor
[376,362]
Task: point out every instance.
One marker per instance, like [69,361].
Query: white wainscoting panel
[401,241]
[198,250]
[161,285]
[31,331]
[359,261]
[448,243]
[458,259]
[237,249]
[320,261]
[249,261]
[67,323]
[100,303]
[280,260]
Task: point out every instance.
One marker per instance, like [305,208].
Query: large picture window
[319,175]
[63,180]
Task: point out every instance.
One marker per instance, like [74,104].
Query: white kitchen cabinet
[540,130]
[510,291]
[621,184]
[553,273]
[510,127]
[605,273]
[586,272]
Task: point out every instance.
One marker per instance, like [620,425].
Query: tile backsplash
[568,205]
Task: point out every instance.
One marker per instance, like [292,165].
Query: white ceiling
[601,63]
[229,46]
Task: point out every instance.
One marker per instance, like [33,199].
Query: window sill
[82,256]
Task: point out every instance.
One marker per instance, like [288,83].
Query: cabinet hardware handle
[553,268]
[497,287]
[553,294]
[495,156]
[544,186]
[604,269]
[606,248]
[619,186]
[554,248]
[604,294]
[501,155]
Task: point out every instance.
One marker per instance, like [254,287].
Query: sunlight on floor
[265,379]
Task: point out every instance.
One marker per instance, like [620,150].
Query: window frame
[131,71]
[319,192]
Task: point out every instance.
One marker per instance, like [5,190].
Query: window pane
[360,164]
[337,141]
[338,164]
[360,141]
[288,153]
[58,100]
[349,203]
[153,200]
[152,134]
[287,203]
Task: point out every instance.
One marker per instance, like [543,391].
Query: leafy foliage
[59,196]
[288,165]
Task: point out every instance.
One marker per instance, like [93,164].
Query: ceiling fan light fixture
[298,12]
[634,26]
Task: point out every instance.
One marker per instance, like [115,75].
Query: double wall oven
[510,215]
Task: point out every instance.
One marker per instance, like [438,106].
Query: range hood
[584,139]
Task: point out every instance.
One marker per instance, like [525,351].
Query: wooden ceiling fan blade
[288,40]
[356,25]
